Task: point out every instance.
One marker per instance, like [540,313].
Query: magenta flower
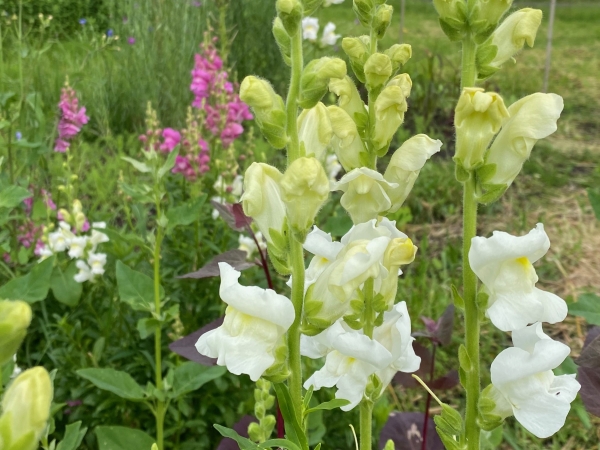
[131,40]
[71,120]
[171,140]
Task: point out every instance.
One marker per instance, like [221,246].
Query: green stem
[472,325]
[160,407]
[292,99]
[372,97]
[293,335]
[366,425]
[469,69]
[369,314]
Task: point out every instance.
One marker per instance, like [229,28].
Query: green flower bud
[478,117]
[283,41]
[15,317]
[346,143]
[349,99]
[389,445]
[489,12]
[310,6]
[378,70]
[404,82]
[399,55]
[453,17]
[382,19]
[25,410]
[268,107]
[364,11]
[314,131]
[358,53]
[290,13]
[315,79]
[390,107]
[304,188]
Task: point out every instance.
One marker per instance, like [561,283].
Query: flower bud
[511,35]
[478,117]
[399,55]
[290,13]
[304,189]
[346,143]
[453,17]
[15,317]
[268,107]
[77,207]
[404,82]
[487,13]
[358,53]
[531,118]
[349,99]
[310,6]
[25,410]
[378,70]
[283,41]
[382,19]
[364,11]
[79,220]
[390,107]
[405,165]
[66,215]
[315,79]
[314,131]
[262,198]
[399,252]
[365,194]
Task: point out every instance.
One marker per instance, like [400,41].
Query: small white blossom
[332,167]
[310,28]
[97,238]
[85,274]
[329,36]
[77,246]
[97,262]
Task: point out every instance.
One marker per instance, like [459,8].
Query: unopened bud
[314,131]
[349,99]
[487,13]
[390,107]
[364,11]
[315,79]
[399,55]
[346,143]
[358,53]
[310,6]
[15,317]
[283,41]
[290,13]
[382,19]
[453,17]
[378,70]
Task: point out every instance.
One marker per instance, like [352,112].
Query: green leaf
[294,430]
[190,376]
[279,443]
[122,438]
[64,287]
[594,197]
[244,443]
[73,437]
[464,359]
[493,193]
[147,327]
[12,196]
[135,288]
[185,214]
[115,381]
[458,300]
[586,306]
[328,406]
[140,166]
[32,287]
[169,163]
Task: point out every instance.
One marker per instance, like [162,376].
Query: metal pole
[549,45]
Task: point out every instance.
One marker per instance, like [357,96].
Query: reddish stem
[428,403]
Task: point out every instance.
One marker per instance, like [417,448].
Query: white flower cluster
[84,248]
[523,383]
[310,31]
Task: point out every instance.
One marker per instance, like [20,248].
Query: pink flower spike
[71,120]
[171,140]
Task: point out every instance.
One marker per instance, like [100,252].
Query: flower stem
[293,148]
[160,407]
[369,314]
[366,425]
[468,67]
[293,336]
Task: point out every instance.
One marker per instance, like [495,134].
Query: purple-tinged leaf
[590,355]
[448,381]
[406,429]
[430,325]
[406,379]
[590,389]
[440,330]
[233,215]
[241,219]
[235,258]
[186,346]
[241,428]
[593,333]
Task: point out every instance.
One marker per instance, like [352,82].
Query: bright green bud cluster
[310,6]
[453,17]
[364,11]
[15,317]
[378,69]
[283,41]
[478,117]
[315,79]
[399,54]
[268,107]
[381,20]
[290,13]
[357,49]
[263,401]
[304,188]
[25,410]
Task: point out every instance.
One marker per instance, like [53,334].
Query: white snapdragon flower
[97,261]
[310,28]
[97,238]
[524,384]
[59,239]
[325,250]
[237,186]
[254,326]
[84,274]
[504,264]
[315,131]
[45,252]
[77,246]
[327,3]
[329,36]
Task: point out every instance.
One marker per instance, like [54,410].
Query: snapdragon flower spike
[254,326]
[524,385]
[504,264]
[71,120]
[352,357]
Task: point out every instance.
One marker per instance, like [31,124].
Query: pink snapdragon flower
[171,139]
[72,118]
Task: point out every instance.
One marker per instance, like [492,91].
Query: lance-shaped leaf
[115,381]
[235,258]
[406,431]
[190,376]
[241,428]
[233,215]
[122,438]
[135,288]
[186,346]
